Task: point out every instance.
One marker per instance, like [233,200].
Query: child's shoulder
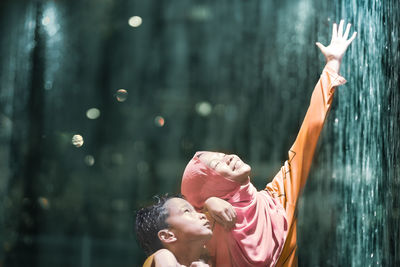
[164,257]
[163,253]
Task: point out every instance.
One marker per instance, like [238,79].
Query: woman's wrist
[334,64]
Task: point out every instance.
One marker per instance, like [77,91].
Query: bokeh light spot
[200,13]
[93,113]
[44,203]
[204,108]
[49,20]
[7,246]
[159,121]
[89,160]
[77,140]
[135,21]
[46,20]
[121,95]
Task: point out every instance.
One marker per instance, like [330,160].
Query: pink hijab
[261,226]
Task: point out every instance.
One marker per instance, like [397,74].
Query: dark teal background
[233,76]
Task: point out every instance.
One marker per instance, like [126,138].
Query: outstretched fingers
[340,31]
[352,38]
[346,33]
[337,32]
[334,31]
[321,46]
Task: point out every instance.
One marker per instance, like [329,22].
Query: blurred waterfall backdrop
[102,104]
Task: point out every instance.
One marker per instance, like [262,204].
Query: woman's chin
[245,170]
[244,178]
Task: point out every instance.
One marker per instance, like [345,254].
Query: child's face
[229,166]
[186,222]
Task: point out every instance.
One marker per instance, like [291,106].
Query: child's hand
[221,211]
[334,52]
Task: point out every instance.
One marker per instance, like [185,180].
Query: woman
[264,232]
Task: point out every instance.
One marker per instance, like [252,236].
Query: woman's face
[229,166]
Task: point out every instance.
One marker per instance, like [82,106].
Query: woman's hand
[221,211]
[334,52]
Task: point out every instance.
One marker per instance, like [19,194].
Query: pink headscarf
[261,226]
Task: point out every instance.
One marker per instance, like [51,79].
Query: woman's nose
[228,158]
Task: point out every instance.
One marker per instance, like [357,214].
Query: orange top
[149,261]
[290,180]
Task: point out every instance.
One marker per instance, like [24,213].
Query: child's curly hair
[149,221]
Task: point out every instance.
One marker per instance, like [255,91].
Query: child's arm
[221,211]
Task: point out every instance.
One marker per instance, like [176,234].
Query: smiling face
[186,223]
[229,166]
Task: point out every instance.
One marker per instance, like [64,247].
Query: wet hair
[149,221]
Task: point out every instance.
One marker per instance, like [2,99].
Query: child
[264,232]
[168,228]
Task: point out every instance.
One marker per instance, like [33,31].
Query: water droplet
[93,113]
[77,140]
[121,95]
[203,108]
[135,21]
[159,121]
[89,160]
[336,120]
[372,255]
[356,117]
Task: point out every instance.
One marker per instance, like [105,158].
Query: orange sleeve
[149,261]
[297,166]
[289,181]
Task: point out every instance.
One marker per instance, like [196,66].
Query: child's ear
[166,236]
